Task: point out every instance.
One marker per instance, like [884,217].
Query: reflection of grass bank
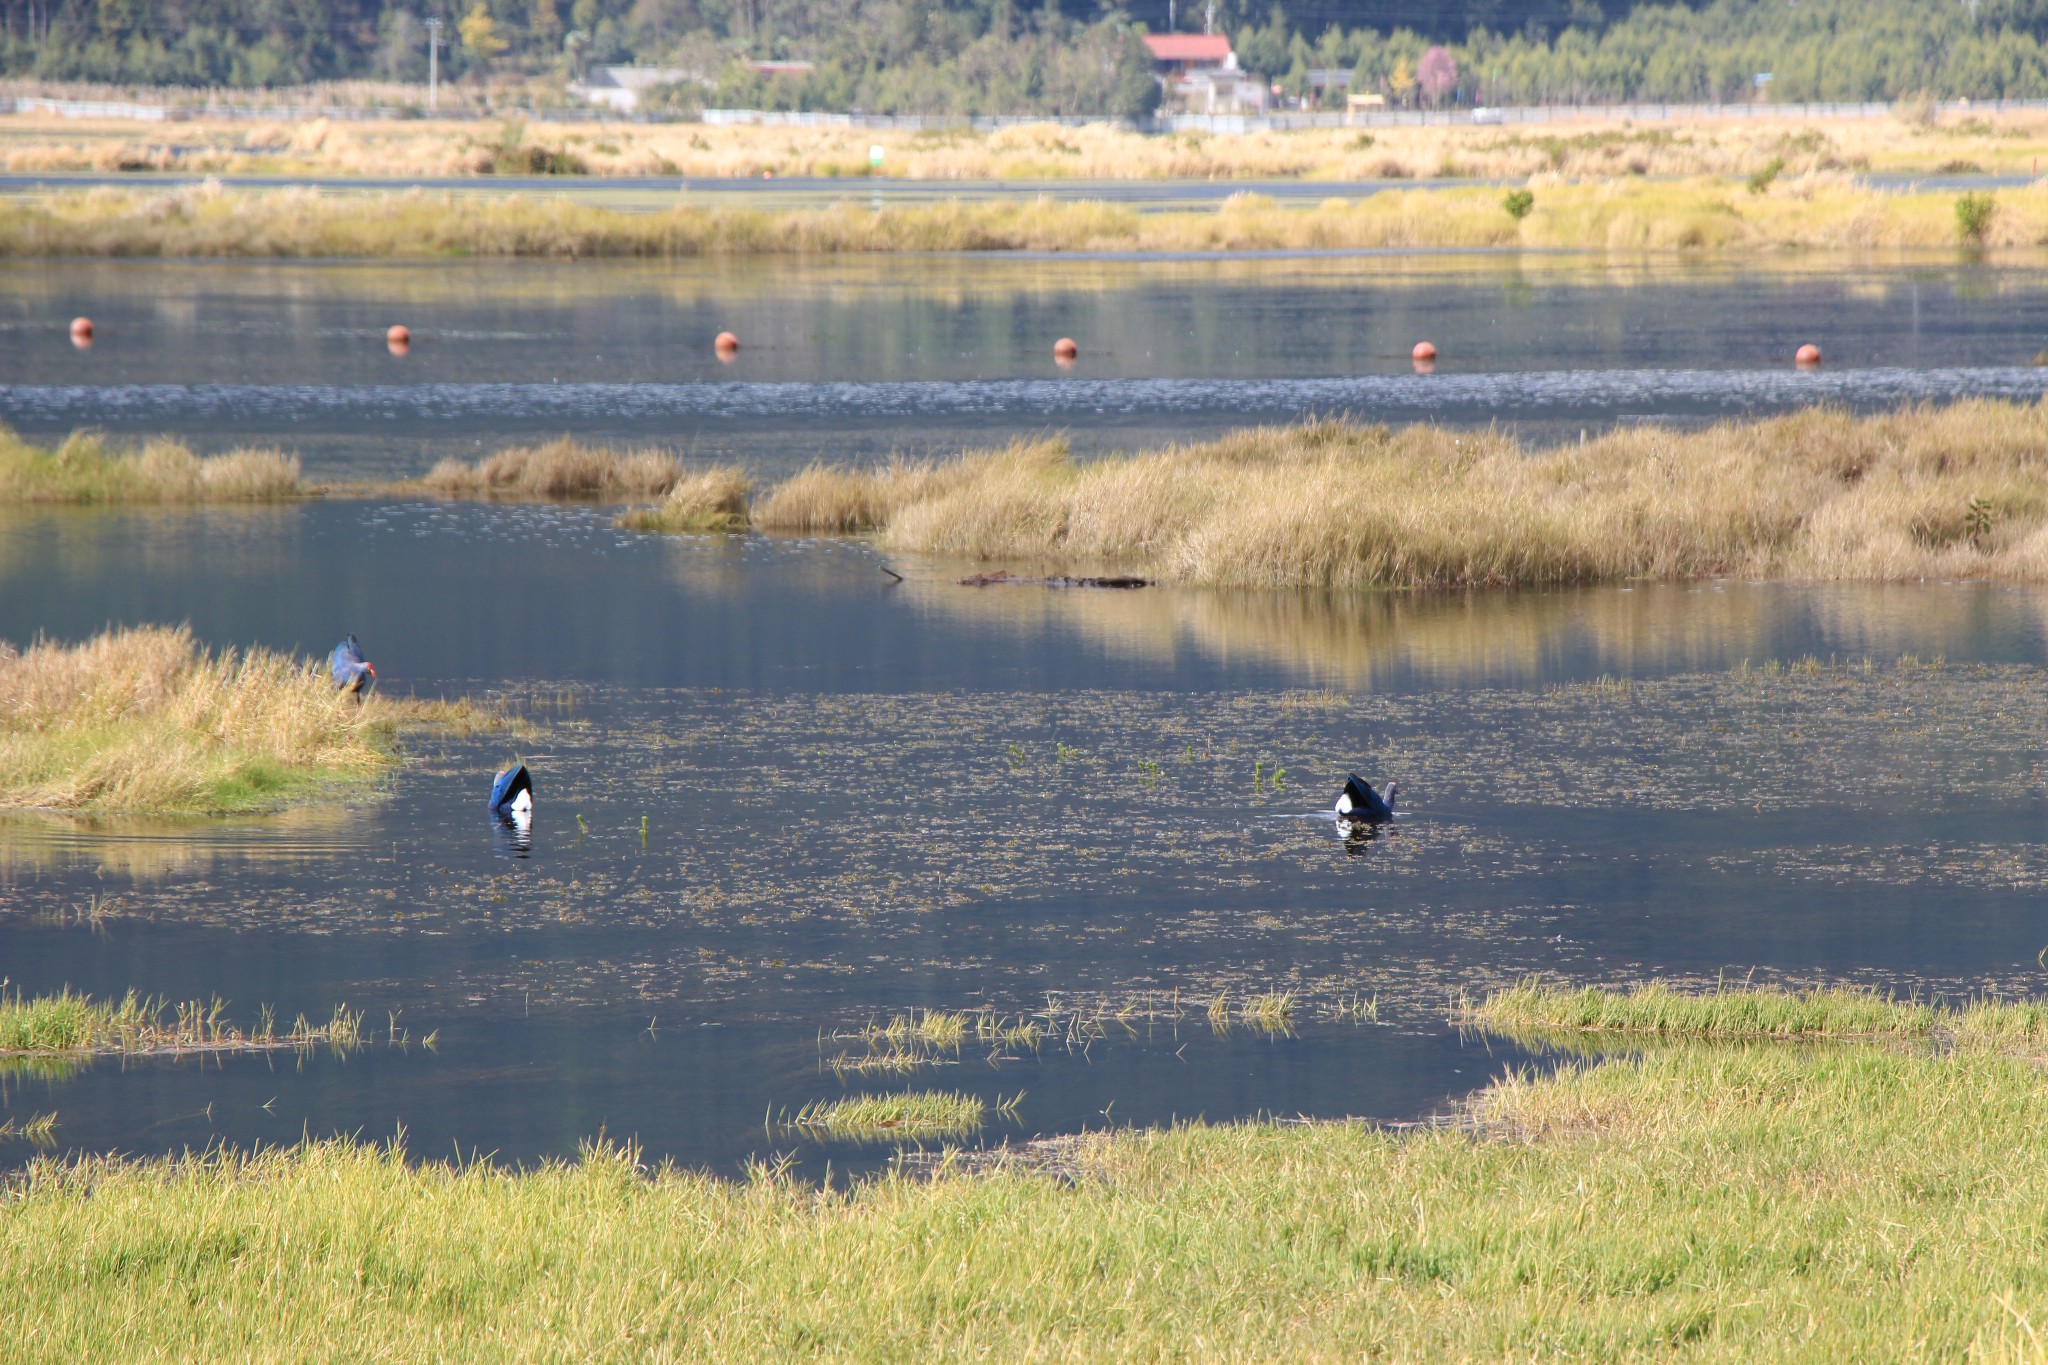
[1951,492]
[1744,1202]
[86,469]
[77,1024]
[144,719]
[1616,215]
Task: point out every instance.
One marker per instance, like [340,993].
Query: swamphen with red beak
[352,672]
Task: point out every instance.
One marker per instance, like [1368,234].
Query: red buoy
[1808,356]
[398,334]
[81,332]
[1065,349]
[727,345]
[1424,350]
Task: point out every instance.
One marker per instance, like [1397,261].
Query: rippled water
[781,794]
[853,358]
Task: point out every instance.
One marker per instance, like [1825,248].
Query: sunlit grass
[1746,1201]
[144,719]
[1752,1012]
[39,1129]
[87,468]
[907,1115]
[68,1022]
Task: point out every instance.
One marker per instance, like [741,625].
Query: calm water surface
[861,796]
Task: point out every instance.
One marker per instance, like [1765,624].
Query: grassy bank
[1721,1203]
[1751,1013]
[1594,144]
[1820,211]
[87,469]
[1926,492]
[144,719]
[73,1024]
[558,469]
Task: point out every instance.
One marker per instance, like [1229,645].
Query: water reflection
[512,835]
[154,848]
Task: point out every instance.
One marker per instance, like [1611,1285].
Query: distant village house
[1199,74]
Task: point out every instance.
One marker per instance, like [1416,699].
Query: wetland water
[861,797]
[855,357]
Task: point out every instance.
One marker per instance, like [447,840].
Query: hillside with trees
[983,56]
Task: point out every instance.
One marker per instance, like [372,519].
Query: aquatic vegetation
[1953,492]
[89,468]
[70,1023]
[562,468]
[1754,1202]
[1751,1012]
[907,1115]
[40,1129]
[145,719]
[1708,212]
[706,500]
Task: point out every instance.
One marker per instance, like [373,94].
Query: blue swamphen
[512,794]
[1359,804]
[352,672]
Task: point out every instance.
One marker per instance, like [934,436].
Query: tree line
[1065,56]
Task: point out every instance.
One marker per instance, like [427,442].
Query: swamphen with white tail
[512,795]
[353,673]
[1359,804]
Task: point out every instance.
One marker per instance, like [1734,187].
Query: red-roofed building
[1179,53]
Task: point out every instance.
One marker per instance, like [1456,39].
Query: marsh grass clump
[705,501]
[143,719]
[68,1023]
[1751,1012]
[908,1115]
[88,468]
[1953,492]
[561,468]
[39,1129]
[906,1042]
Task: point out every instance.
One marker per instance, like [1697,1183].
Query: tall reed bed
[87,468]
[1704,1203]
[1621,215]
[1955,491]
[144,719]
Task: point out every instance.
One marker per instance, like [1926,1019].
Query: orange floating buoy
[398,334]
[1065,349]
[1424,350]
[1808,355]
[727,345]
[81,331]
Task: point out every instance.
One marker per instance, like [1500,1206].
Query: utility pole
[433,64]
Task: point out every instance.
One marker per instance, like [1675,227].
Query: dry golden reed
[86,468]
[562,468]
[713,499]
[144,719]
[1952,492]
[1593,144]
[1823,210]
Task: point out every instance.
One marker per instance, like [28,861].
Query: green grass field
[1734,1201]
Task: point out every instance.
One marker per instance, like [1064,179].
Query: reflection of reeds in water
[40,1129]
[1357,640]
[147,848]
